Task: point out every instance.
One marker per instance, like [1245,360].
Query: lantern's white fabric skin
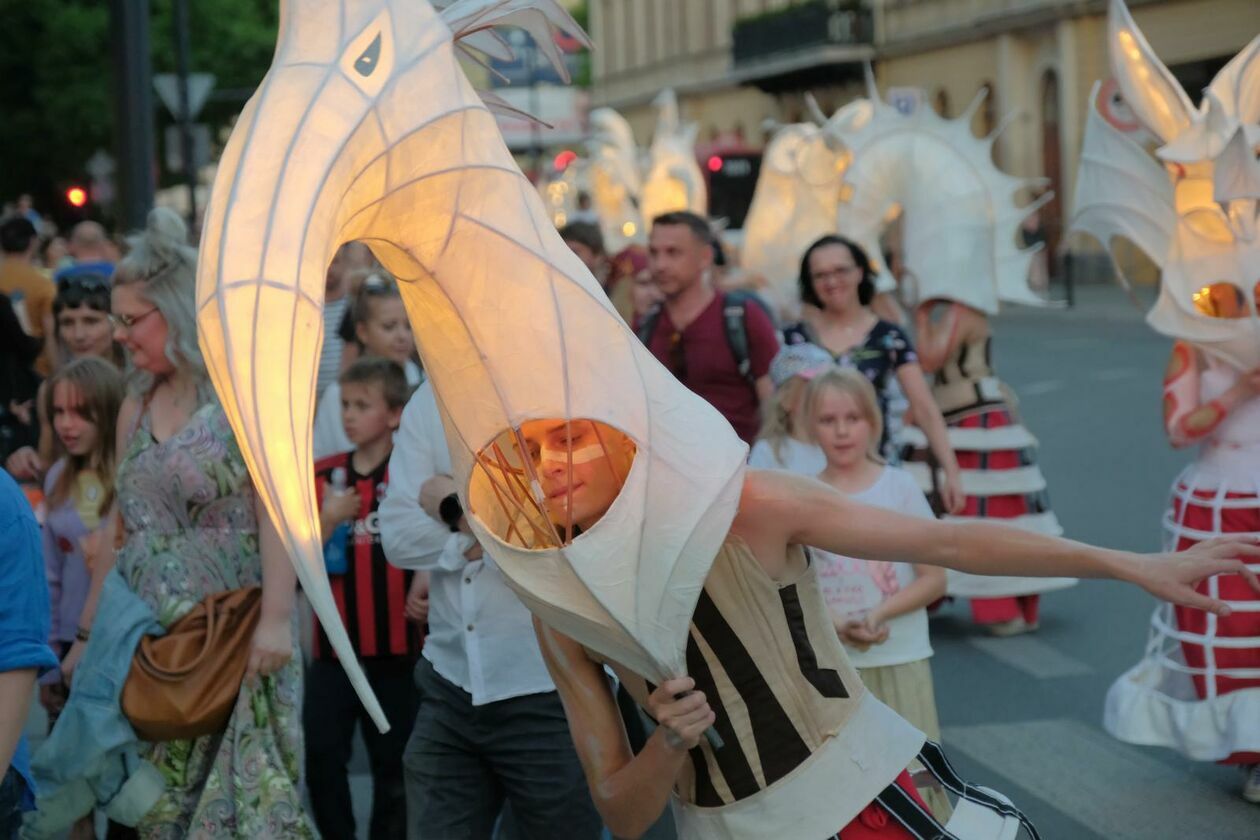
[798,191]
[674,180]
[960,222]
[1195,216]
[366,128]
[616,181]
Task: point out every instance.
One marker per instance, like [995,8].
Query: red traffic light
[77,196]
[714,163]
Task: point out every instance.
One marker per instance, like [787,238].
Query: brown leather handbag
[184,684]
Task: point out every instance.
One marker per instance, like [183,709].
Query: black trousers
[464,762]
[330,713]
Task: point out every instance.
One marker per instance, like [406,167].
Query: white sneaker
[1251,787]
[1014,627]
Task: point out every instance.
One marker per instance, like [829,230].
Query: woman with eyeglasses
[837,285]
[81,329]
[192,526]
[1002,481]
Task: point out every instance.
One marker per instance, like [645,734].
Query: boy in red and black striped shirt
[371,596]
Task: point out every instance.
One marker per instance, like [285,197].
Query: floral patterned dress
[188,508]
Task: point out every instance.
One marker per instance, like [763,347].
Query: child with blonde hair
[879,608]
[784,442]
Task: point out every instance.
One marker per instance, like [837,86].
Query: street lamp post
[133,101]
[182,50]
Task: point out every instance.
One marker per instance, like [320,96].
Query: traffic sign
[199,87]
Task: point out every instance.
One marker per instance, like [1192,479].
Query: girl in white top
[879,608]
[785,442]
[382,328]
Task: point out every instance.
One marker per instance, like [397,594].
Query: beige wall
[951,45]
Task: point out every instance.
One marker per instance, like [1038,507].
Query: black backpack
[734,314]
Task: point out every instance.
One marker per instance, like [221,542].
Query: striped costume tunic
[806,746]
[998,461]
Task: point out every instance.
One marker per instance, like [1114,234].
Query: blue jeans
[11,790]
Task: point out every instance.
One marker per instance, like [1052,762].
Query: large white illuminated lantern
[674,181]
[959,213]
[365,128]
[1191,208]
[616,182]
[795,201]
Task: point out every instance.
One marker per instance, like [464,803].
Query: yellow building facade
[738,63]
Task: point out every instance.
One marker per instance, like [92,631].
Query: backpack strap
[648,325]
[735,324]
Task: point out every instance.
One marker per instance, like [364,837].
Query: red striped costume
[998,460]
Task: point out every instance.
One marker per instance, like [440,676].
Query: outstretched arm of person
[779,509]
[630,791]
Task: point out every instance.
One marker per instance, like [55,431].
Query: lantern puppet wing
[674,181]
[615,181]
[365,128]
[1208,278]
[793,205]
[959,217]
[1236,182]
[1121,191]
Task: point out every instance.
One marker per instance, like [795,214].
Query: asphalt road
[1023,715]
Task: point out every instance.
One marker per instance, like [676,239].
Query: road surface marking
[1032,656]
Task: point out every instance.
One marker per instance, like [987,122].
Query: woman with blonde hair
[192,526]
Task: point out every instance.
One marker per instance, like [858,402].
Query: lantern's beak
[266,244]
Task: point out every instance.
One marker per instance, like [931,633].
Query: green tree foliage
[56,82]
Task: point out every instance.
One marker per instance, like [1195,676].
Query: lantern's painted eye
[368,59]
[367,62]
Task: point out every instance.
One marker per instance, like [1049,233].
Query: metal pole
[133,102]
[182,50]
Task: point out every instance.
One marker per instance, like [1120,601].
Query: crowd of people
[109,423]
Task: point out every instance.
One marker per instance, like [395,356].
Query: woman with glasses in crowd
[837,285]
[192,526]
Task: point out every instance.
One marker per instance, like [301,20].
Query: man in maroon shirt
[690,336]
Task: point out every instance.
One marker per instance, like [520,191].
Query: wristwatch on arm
[451,511]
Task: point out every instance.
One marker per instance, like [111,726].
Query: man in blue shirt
[24,651]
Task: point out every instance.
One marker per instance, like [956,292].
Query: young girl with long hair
[80,402]
[879,608]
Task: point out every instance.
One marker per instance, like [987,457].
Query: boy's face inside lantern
[575,468]
[579,467]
